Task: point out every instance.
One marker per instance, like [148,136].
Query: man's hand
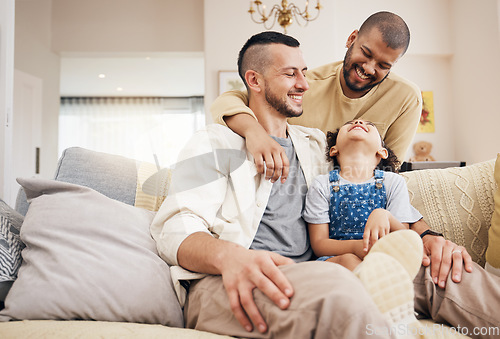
[266,150]
[445,256]
[248,269]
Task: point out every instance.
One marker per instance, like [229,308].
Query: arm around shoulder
[228,104]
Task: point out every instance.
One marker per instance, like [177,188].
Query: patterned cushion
[493,252]
[10,247]
[152,186]
[457,202]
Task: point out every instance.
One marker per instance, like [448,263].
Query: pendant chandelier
[284,14]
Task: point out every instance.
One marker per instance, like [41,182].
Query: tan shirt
[394,106]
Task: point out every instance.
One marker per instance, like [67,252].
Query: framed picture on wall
[427,123]
[230,80]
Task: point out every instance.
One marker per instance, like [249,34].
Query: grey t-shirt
[398,200]
[282,228]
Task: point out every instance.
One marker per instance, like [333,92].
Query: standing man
[360,87]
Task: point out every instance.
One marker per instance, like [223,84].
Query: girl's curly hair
[391,164]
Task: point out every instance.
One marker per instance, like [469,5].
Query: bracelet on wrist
[431,232]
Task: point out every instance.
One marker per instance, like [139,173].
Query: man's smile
[297,97]
[360,73]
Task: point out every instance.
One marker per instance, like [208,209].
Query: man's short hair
[395,32]
[253,55]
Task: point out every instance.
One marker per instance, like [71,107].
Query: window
[147,129]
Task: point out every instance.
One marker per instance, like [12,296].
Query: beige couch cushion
[457,202]
[50,329]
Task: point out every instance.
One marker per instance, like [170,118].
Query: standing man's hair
[252,54]
[395,32]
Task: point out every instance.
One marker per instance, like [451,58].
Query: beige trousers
[471,307]
[329,302]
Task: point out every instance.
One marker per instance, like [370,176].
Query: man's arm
[443,256]
[242,270]
[228,104]
[228,110]
[265,150]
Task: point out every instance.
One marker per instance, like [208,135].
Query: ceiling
[172,74]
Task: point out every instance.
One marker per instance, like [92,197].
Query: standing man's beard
[281,105]
[345,72]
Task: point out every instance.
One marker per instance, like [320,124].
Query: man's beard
[345,72]
[281,105]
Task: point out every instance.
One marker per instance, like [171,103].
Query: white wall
[47,28]
[6,91]
[34,55]
[428,20]
[446,38]
[127,25]
[433,73]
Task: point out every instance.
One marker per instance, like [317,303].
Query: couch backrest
[112,175]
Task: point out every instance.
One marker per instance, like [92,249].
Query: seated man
[246,235]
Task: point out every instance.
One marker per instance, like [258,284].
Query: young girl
[358,202]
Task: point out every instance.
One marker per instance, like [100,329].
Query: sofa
[77,258]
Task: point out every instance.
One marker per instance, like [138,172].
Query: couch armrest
[457,202]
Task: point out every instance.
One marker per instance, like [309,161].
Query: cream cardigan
[216,189]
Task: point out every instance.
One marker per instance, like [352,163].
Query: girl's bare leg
[348,260]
